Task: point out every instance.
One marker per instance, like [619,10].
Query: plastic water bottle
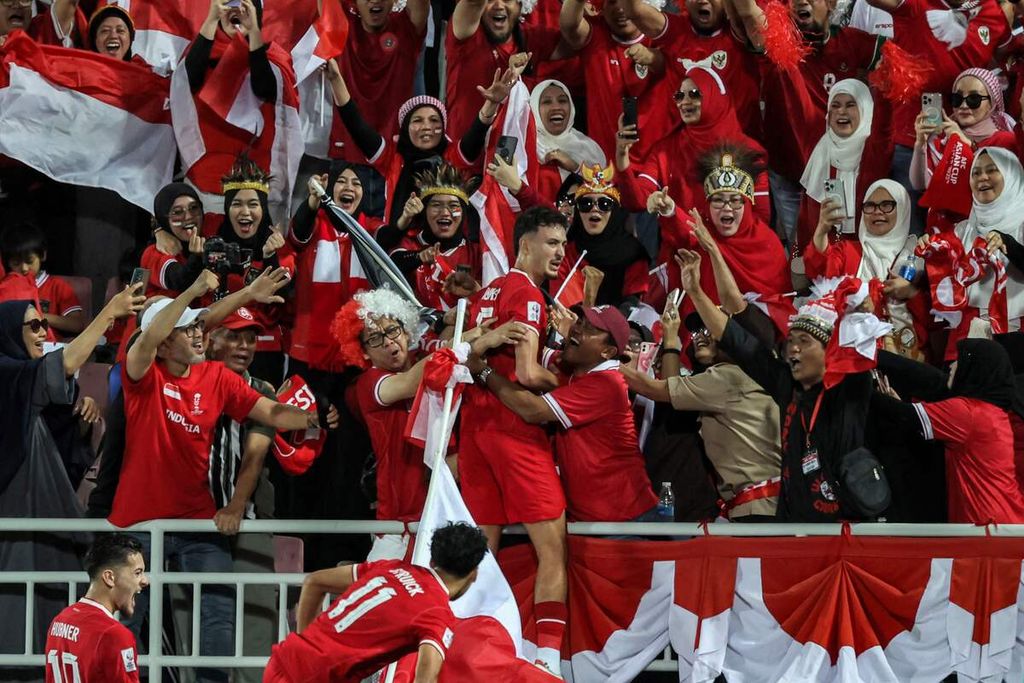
[666,503]
[908,269]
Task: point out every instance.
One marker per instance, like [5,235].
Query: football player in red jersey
[85,642]
[386,610]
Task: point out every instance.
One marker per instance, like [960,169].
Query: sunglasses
[567,200]
[973,100]
[887,206]
[681,95]
[36,325]
[376,339]
[586,204]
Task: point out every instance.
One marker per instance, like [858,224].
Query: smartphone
[139,275]
[629,115]
[931,107]
[506,148]
[645,358]
[836,191]
[234,3]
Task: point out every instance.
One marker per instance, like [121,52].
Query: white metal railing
[156,660]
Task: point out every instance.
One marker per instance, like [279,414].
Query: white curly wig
[385,303]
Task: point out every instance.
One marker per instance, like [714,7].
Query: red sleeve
[528,198]
[948,420]
[65,300]
[832,263]
[239,397]
[637,279]
[157,263]
[526,305]
[364,568]
[762,201]
[434,627]
[579,403]
[120,660]
[366,389]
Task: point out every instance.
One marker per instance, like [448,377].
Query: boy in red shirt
[24,251]
[386,610]
[85,642]
[598,454]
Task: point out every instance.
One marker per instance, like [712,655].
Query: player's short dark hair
[531,220]
[110,550]
[457,548]
[21,241]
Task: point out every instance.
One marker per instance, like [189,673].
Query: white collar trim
[98,606]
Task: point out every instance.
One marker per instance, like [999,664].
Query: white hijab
[1006,214]
[842,154]
[880,252]
[578,146]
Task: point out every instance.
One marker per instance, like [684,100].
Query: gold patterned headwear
[245,174]
[597,180]
[727,177]
[444,179]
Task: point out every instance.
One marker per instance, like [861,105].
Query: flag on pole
[85,119]
[324,39]
[163,30]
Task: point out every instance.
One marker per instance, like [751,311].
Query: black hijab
[612,252]
[415,160]
[984,372]
[259,238]
[338,167]
[165,198]
[17,384]
[103,13]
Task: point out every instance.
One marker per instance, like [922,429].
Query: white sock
[551,658]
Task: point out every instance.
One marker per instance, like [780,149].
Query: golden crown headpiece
[245,174]
[728,177]
[442,179]
[597,180]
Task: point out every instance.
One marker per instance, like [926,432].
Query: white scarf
[578,146]
[880,252]
[950,25]
[1006,214]
[842,154]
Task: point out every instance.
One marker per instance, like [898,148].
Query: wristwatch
[482,376]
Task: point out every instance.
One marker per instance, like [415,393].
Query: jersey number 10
[360,606]
[67,662]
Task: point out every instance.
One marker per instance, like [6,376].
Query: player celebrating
[386,610]
[86,643]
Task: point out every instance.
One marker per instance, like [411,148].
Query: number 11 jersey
[392,608]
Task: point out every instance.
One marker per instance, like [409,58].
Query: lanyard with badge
[810,461]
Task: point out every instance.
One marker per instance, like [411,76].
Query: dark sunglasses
[36,325]
[887,206]
[973,100]
[586,204]
[681,95]
[567,200]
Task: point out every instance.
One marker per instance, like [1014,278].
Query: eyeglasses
[887,206]
[681,95]
[453,207]
[197,327]
[192,209]
[720,202]
[16,3]
[376,339]
[973,100]
[36,325]
[586,204]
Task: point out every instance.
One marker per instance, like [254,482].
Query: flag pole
[568,277]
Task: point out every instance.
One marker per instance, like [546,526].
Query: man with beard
[86,643]
[481,36]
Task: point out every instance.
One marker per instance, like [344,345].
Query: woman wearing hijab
[422,139]
[854,151]
[33,480]
[561,149]
[708,121]
[599,228]
[883,244]
[968,412]
[176,258]
[978,117]
[996,221]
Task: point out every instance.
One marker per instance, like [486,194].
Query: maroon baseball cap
[242,319]
[610,320]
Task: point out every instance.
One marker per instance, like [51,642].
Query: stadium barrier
[159,578]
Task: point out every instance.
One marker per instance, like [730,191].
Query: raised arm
[282,417]
[886,5]
[428,664]
[370,142]
[573,24]
[262,290]
[466,18]
[648,19]
[729,293]
[418,11]
[315,586]
[127,302]
[64,13]
[401,386]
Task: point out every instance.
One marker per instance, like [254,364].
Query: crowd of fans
[745,274]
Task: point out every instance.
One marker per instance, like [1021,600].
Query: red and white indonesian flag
[444,370]
[164,29]
[494,203]
[86,119]
[324,39]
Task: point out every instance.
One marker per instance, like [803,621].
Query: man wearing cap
[598,456]
[739,421]
[173,399]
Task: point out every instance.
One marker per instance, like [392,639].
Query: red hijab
[754,254]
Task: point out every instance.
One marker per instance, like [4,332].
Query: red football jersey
[170,424]
[86,644]
[401,472]
[598,454]
[429,278]
[157,263]
[391,609]
[56,297]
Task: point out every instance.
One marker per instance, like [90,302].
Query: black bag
[863,484]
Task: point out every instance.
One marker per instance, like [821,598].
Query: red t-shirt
[472,62]
[428,279]
[42,30]
[86,644]
[170,425]
[401,473]
[157,263]
[369,61]
[981,475]
[598,454]
[391,609]
[56,297]
[985,31]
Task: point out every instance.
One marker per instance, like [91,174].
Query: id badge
[810,462]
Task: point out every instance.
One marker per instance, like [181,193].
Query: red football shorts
[509,478]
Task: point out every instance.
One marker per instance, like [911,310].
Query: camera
[225,258]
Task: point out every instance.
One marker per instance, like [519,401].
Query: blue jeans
[197,553]
[900,172]
[786,196]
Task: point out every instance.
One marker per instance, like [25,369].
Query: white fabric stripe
[287,150]
[650,178]
[161,50]
[304,61]
[546,356]
[557,410]
[435,645]
[380,150]
[926,423]
[163,273]
[71,309]
[376,392]
[554,621]
[186,122]
[125,154]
